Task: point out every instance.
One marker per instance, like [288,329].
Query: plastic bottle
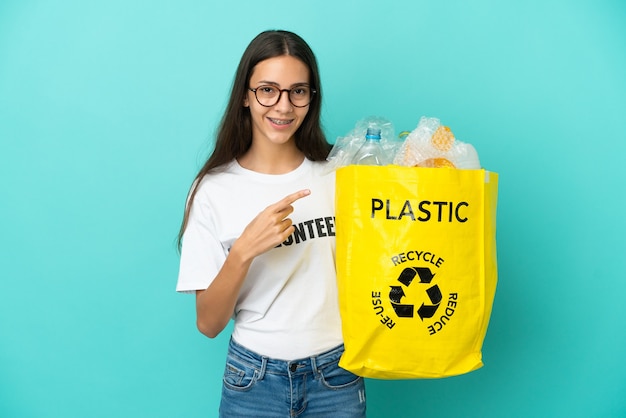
[371,152]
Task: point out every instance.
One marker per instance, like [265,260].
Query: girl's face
[277,124]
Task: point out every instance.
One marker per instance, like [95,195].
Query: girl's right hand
[216,304]
[269,228]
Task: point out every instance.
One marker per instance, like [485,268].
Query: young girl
[258,242]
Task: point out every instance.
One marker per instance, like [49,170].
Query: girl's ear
[246,103]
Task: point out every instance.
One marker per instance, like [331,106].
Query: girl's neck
[275,161]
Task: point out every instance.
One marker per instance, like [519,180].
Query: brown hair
[234,135]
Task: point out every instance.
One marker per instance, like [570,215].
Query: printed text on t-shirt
[314,228]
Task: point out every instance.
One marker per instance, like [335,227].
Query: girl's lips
[280,122]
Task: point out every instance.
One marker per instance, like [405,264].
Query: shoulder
[322,179]
[211,186]
[217,175]
[322,169]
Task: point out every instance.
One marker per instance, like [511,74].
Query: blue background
[107,110]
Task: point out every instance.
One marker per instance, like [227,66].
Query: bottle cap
[373,133]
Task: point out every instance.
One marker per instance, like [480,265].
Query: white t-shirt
[287,307]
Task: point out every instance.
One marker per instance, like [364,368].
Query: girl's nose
[284,104]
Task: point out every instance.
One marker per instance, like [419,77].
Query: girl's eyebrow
[273,83]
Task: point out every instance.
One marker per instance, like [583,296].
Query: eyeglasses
[299,96]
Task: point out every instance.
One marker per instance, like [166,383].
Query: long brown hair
[234,135]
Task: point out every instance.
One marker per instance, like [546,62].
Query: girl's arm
[216,304]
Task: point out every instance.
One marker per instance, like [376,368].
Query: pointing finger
[289,199]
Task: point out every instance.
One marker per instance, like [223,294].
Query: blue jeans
[258,386]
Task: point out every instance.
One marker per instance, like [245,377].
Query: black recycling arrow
[395,296]
[396,293]
[407,276]
[427,311]
[426,276]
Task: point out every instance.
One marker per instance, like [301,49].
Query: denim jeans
[257,386]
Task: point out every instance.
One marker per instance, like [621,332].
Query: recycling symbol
[406,278]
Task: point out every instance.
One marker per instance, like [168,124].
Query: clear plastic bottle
[371,152]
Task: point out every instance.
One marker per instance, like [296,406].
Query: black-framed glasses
[299,96]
